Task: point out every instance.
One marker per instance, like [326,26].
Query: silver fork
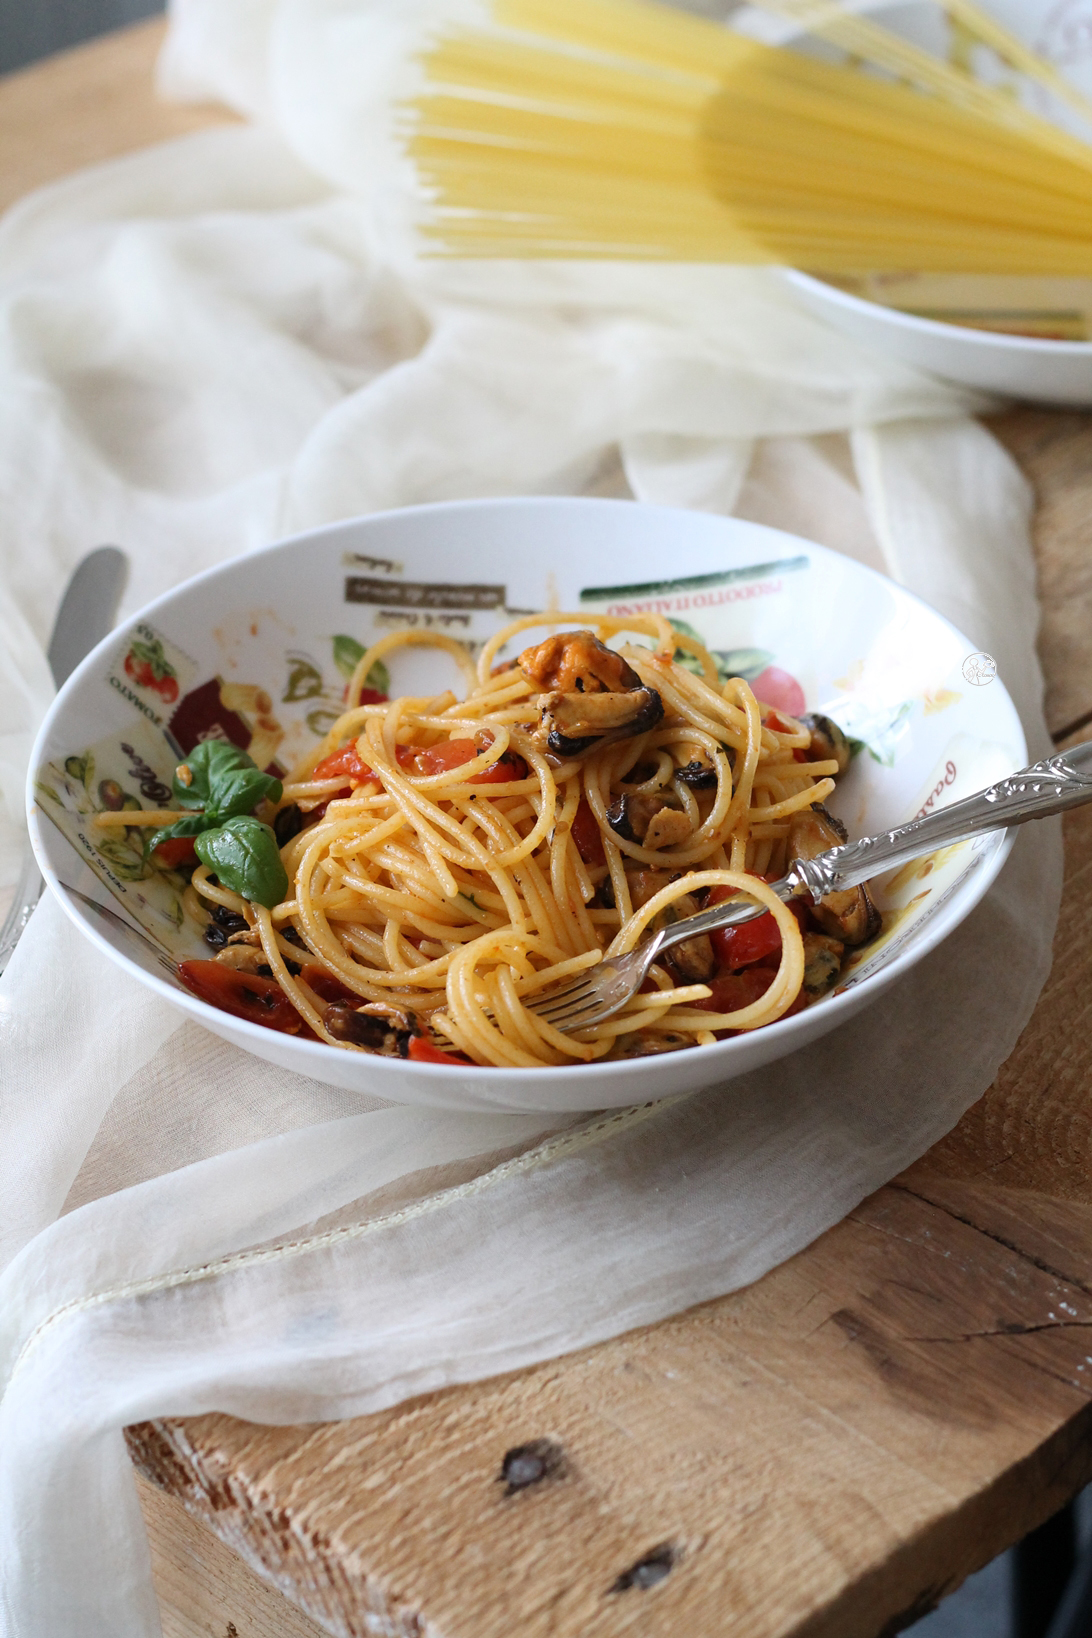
[1059,782]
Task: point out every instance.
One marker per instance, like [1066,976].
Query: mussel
[828,743]
[576,662]
[375,1026]
[850,915]
[656,820]
[573,723]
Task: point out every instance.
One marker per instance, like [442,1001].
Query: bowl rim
[1040,346]
[944,920]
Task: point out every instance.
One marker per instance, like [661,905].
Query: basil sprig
[225,784]
[244,856]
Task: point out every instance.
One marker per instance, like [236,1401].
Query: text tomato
[140,671]
[251,996]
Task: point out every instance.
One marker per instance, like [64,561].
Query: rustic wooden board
[824,1454]
[205,1590]
[1055,450]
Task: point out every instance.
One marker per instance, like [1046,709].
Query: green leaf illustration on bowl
[304,680]
[879,732]
[348,654]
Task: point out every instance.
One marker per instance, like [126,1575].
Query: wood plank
[88,104]
[1054,448]
[205,1590]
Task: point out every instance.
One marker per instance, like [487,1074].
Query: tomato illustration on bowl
[148,666]
[779,689]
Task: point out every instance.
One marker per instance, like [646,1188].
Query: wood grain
[205,1590]
[88,104]
[1055,451]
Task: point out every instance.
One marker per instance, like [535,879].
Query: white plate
[253,651]
[1045,372]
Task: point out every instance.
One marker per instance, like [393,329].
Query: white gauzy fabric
[227,338]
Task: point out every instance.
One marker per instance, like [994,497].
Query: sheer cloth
[224,339]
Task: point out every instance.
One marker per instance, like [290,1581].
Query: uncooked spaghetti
[456,858]
[626,128]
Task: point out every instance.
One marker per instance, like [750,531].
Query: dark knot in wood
[649,1569]
[525,1465]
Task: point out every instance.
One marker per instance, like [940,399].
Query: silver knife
[87,612]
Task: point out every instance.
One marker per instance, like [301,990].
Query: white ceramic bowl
[253,650]
[1045,372]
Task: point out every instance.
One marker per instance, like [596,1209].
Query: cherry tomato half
[731,991]
[326,986]
[175,851]
[246,995]
[753,941]
[422,1051]
[587,835]
[454,753]
[345,762]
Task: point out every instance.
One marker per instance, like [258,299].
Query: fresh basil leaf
[225,782]
[192,826]
[244,856]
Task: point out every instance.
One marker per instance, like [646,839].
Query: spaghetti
[626,128]
[449,860]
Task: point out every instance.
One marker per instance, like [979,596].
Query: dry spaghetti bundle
[458,857]
[623,128]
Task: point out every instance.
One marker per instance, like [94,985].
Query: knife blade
[87,612]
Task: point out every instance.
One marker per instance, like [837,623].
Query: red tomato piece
[345,762]
[731,991]
[326,986]
[507,768]
[455,753]
[451,753]
[780,724]
[753,941]
[245,995]
[175,851]
[422,1051]
[167,688]
[742,946]
[587,835]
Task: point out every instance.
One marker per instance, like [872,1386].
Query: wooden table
[828,1452]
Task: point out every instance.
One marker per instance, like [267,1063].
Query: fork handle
[1060,782]
[1047,787]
